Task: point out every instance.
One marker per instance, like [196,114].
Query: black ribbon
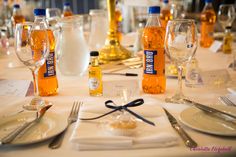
[110,104]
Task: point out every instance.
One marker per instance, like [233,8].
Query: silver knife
[188,141]
[11,136]
[205,108]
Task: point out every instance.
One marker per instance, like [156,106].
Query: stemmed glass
[180,45]
[226,15]
[32,49]
[53,15]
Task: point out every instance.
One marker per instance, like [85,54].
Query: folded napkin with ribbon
[93,135]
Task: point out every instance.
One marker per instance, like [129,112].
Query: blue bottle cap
[165,1]
[39,12]
[154,10]
[17,6]
[208,1]
[67,4]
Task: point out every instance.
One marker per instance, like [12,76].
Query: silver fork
[226,101]
[56,142]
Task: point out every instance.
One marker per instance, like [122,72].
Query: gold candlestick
[112,50]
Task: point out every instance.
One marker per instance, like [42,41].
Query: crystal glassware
[180,45]
[226,15]
[32,49]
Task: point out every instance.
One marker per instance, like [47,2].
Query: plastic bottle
[6,18]
[119,19]
[47,80]
[95,75]
[17,16]
[154,80]
[208,19]
[165,15]
[67,10]
[6,12]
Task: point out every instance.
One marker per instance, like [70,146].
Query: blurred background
[133,11]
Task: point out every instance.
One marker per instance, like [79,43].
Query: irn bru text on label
[149,62]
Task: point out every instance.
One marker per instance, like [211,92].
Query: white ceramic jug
[71,47]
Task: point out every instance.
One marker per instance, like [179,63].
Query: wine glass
[32,49]
[53,15]
[226,15]
[180,45]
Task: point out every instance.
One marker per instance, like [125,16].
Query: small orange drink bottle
[17,16]
[208,19]
[67,10]
[118,19]
[165,14]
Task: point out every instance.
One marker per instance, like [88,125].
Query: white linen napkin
[94,135]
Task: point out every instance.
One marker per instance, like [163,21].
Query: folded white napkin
[232,98]
[94,135]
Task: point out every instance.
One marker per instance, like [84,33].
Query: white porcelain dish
[49,126]
[205,122]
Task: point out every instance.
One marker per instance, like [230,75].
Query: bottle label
[207,30]
[93,83]
[50,66]
[149,56]
[119,27]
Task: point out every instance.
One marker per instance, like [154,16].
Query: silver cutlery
[188,141]
[22,129]
[56,142]
[226,101]
[220,114]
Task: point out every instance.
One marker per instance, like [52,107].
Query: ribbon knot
[110,104]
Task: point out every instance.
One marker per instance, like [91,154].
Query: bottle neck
[66,8]
[227,30]
[41,20]
[165,6]
[94,61]
[153,20]
[208,5]
[17,11]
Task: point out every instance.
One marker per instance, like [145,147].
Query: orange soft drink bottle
[118,19]
[17,16]
[67,10]
[208,19]
[47,80]
[154,81]
[165,15]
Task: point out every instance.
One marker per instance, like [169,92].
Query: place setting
[129,126]
[112,77]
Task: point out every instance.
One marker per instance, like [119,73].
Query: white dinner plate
[205,122]
[50,125]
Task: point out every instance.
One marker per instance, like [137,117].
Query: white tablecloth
[76,88]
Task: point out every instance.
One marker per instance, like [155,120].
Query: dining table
[75,88]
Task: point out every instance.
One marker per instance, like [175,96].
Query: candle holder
[112,49]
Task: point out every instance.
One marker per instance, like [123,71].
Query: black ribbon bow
[110,104]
